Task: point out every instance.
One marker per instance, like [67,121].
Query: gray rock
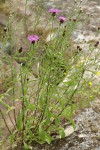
[96,106]
[8,48]
[3,19]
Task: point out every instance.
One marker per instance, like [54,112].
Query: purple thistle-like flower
[54,11]
[33,38]
[62,19]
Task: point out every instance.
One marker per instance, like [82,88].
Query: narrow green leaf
[27,147]
[41,132]
[48,138]
[72,122]
[10,109]
[31,107]
[19,122]
[61,132]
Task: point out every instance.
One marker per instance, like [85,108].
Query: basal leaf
[27,147]
[19,122]
[48,138]
[61,132]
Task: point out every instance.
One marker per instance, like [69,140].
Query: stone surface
[95,106]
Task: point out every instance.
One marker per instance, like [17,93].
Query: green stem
[13,92]
[23,106]
[45,104]
[5,122]
[25,20]
[69,99]
[11,119]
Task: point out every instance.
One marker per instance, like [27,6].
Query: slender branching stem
[11,119]
[13,93]
[23,104]
[5,122]
[45,103]
[68,100]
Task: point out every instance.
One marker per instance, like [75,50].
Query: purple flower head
[54,11]
[62,19]
[33,38]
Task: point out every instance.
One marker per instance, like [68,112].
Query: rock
[94,129]
[3,19]
[82,135]
[96,105]
[69,130]
[50,37]
[97,148]
[7,48]
[98,138]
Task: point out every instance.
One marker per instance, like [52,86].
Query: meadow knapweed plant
[48,100]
